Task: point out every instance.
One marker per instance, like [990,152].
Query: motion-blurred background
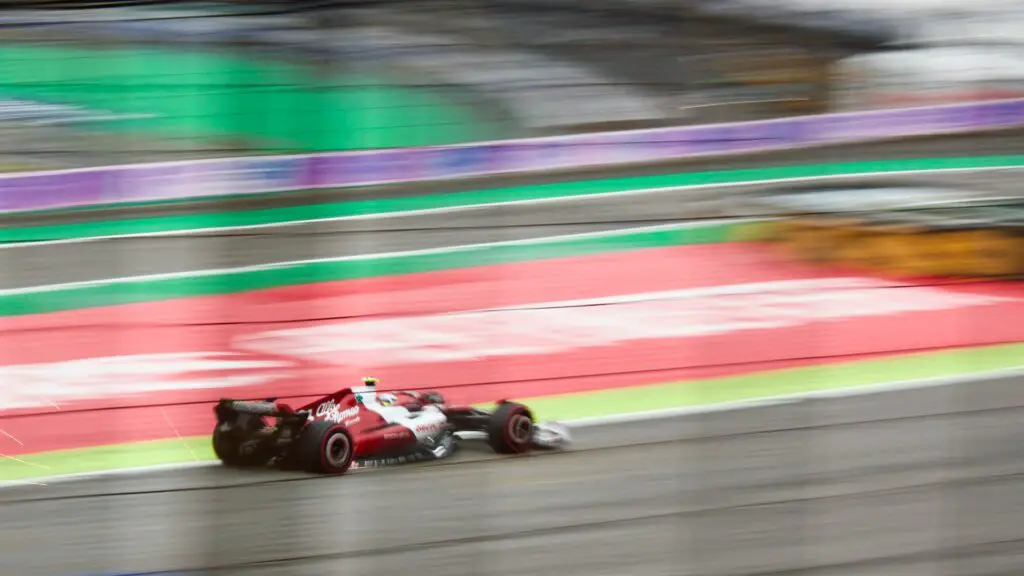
[853,225]
[189,80]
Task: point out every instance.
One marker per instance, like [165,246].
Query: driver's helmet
[370,381]
[387,399]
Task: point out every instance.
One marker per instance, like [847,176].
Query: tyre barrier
[963,239]
[978,242]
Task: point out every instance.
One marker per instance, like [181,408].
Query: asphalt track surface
[928,481]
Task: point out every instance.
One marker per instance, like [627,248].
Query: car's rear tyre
[510,429]
[324,447]
[228,441]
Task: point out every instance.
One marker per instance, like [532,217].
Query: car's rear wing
[335,397]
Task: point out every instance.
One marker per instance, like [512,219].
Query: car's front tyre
[510,430]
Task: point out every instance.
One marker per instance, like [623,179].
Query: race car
[362,427]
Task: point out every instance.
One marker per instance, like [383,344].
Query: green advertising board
[205,95]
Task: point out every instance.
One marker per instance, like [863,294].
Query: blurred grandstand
[137,84]
[195,80]
[557,71]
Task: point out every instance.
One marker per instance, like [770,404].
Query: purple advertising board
[366,168]
[49,190]
[233,176]
[255,175]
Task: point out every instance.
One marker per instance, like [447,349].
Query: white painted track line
[377,256]
[489,205]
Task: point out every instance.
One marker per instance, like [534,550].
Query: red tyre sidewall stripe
[510,438]
[323,446]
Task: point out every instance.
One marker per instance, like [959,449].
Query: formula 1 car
[361,427]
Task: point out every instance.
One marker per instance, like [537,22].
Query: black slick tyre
[510,429]
[325,447]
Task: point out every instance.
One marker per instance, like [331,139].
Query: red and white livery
[364,427]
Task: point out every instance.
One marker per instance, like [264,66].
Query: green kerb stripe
[124,291]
